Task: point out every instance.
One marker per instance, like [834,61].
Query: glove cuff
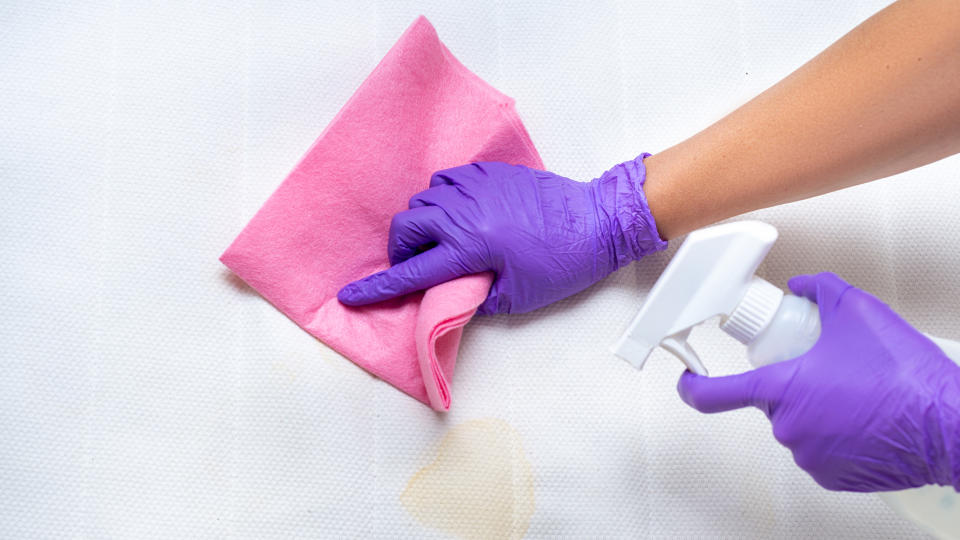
[948,405]
[620,197]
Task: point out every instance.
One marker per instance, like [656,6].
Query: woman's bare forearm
[883,99]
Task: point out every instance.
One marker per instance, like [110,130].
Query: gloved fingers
[443,178]
[761,388]
[491,306]
[412,230]
[824,288]
[427,269]
[442,195]
[457,175]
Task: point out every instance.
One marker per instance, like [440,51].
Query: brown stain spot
[288,368]
[480,485]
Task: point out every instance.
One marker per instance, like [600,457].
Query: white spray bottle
[713,274]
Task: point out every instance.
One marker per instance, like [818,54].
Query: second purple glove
[545,236]
[873,406]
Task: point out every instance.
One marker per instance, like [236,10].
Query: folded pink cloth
[419,111]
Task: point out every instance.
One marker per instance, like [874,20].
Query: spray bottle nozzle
[711,274]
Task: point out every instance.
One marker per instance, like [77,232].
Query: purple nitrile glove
[873,406]
[545,236]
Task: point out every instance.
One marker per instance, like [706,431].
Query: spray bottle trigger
[678,346]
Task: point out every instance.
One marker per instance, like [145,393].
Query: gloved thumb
[423,271]
[761,388]
[824,288]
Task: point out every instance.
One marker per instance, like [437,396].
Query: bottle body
[793,330]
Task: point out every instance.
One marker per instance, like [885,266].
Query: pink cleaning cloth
[326,225]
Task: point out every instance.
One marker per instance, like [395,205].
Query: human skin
[883,99]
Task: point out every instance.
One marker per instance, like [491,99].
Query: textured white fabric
[146,392]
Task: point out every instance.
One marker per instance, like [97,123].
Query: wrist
[691,185]
[657,170]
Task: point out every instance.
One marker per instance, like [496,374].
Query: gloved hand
[545,236]
[873,406]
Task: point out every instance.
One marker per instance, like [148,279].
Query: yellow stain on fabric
[479,486]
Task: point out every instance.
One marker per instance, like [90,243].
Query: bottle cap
[754,312]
